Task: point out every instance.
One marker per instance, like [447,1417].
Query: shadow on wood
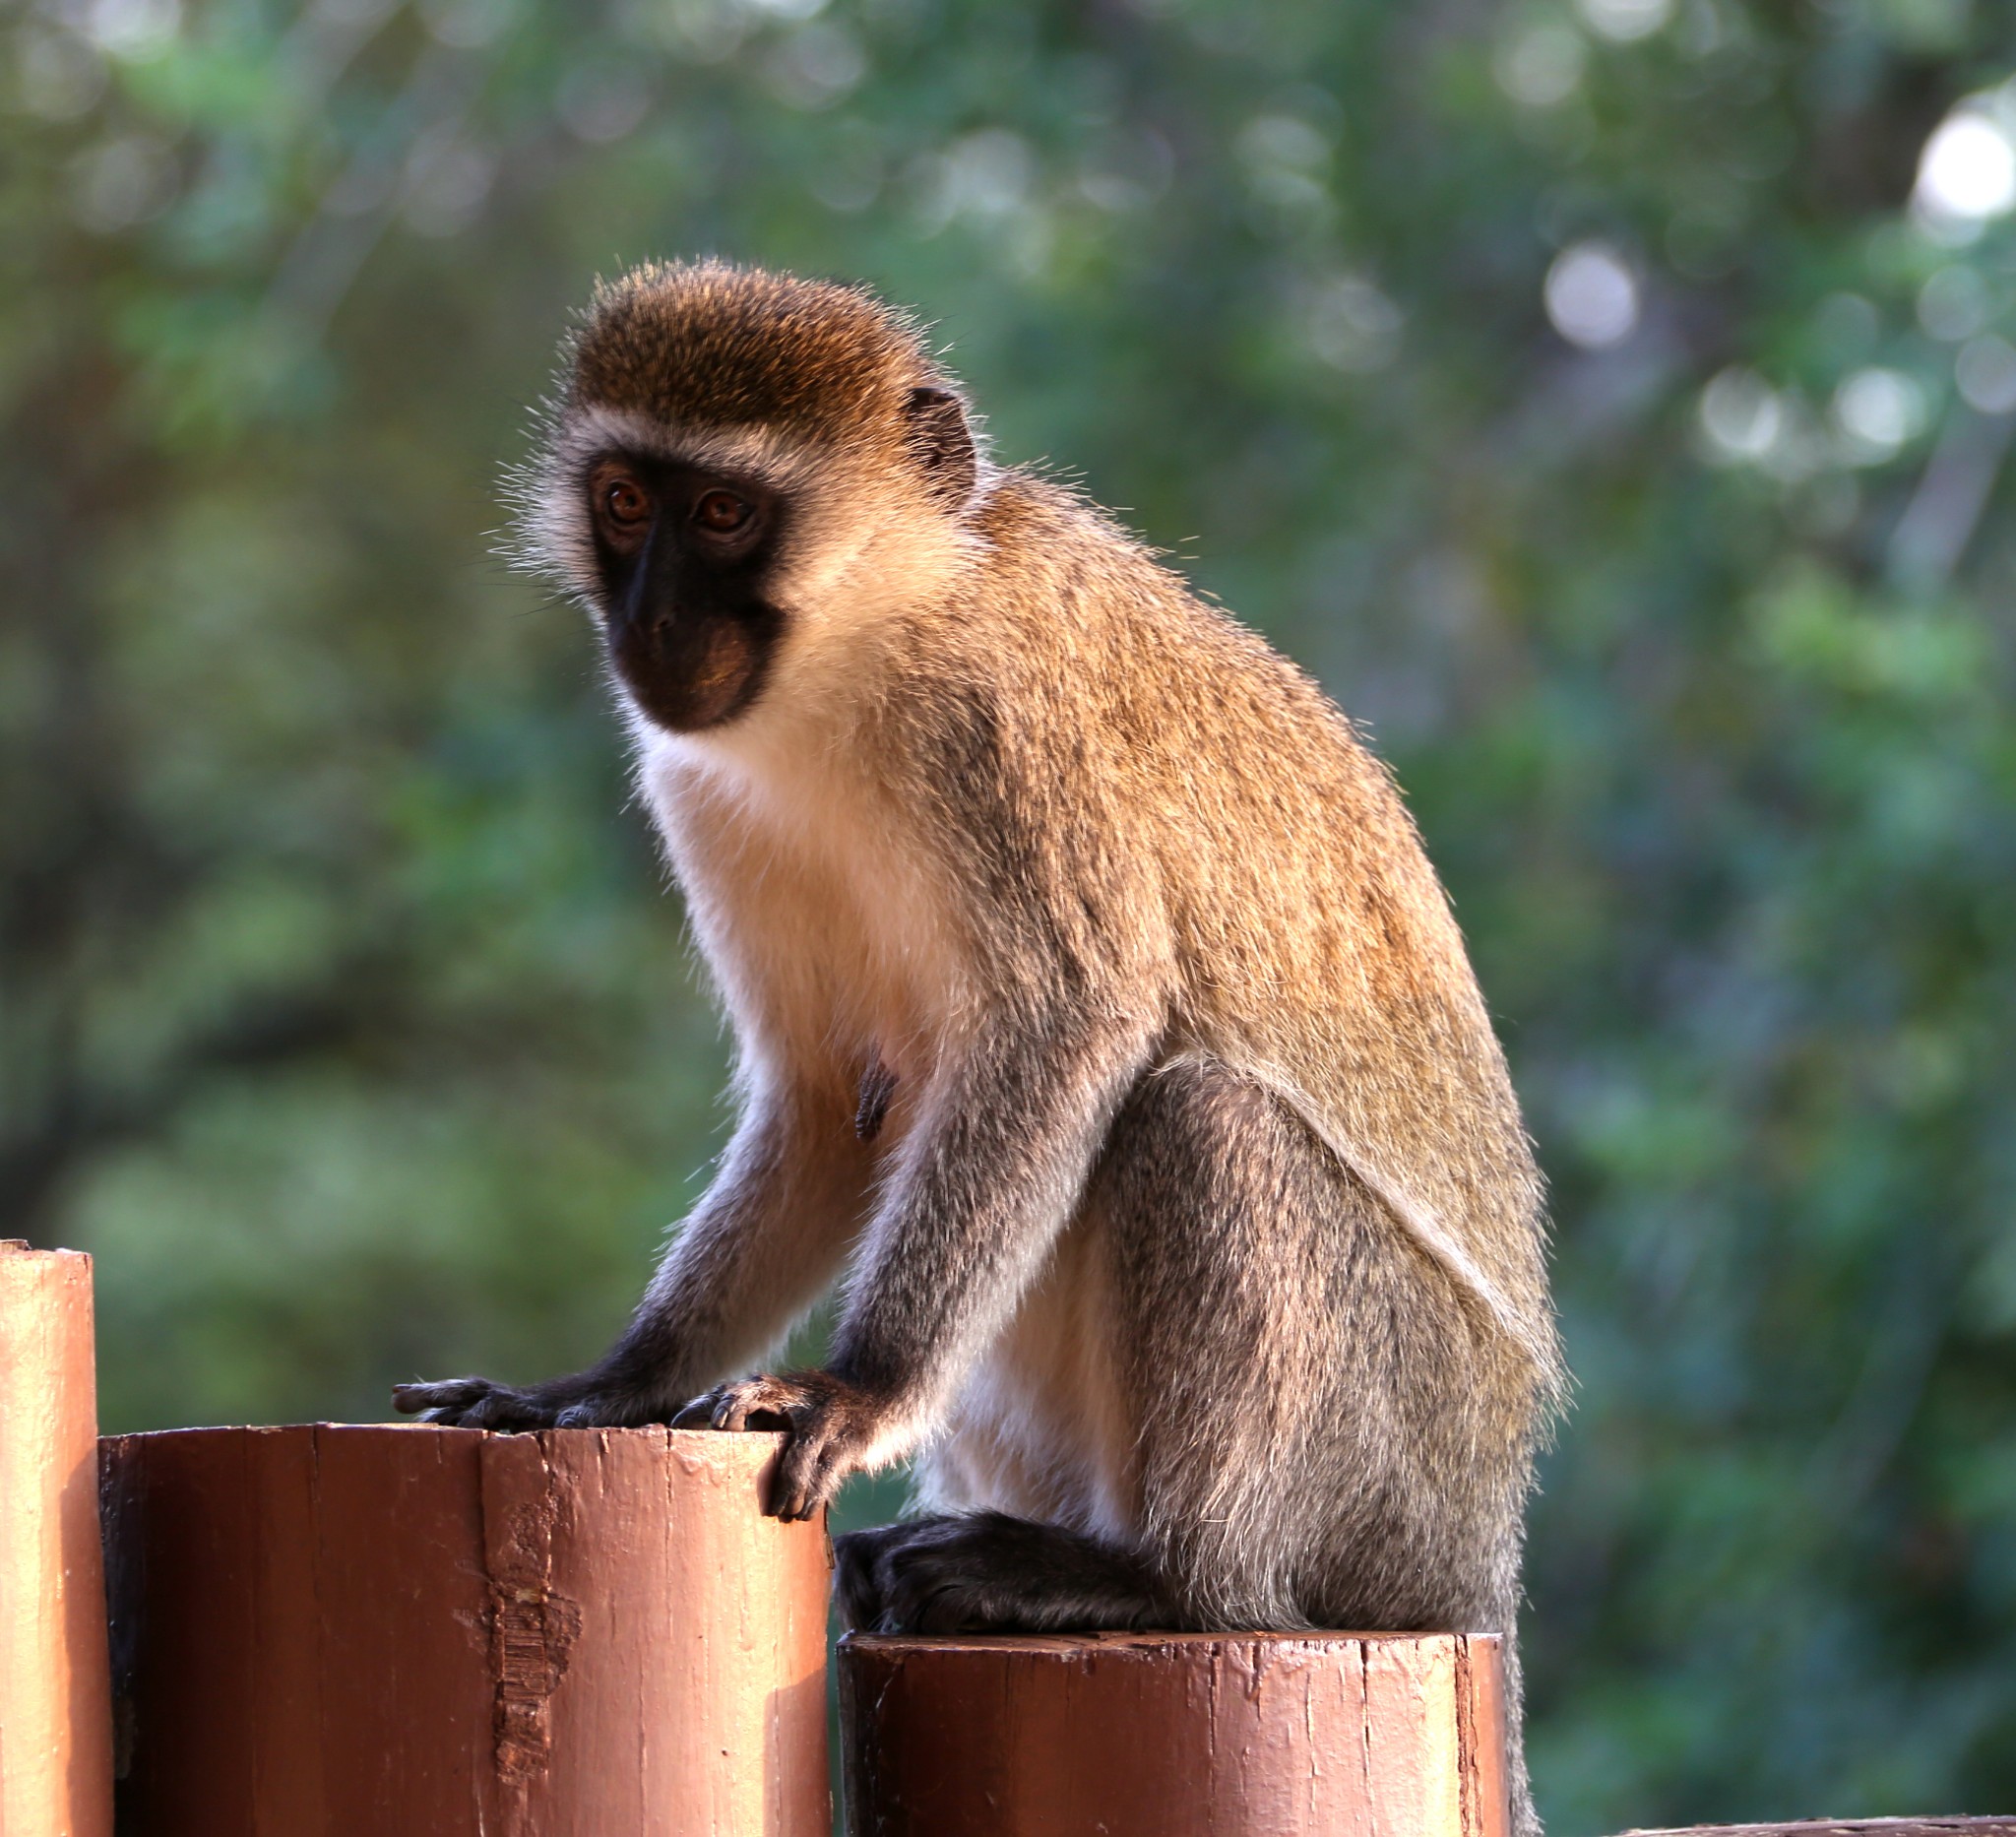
[437,1633]
[1169,1735]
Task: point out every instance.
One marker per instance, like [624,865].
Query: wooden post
[55,1719]
[437,1633]
[1174,1735]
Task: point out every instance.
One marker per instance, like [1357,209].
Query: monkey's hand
[482,1402]
[835,1427]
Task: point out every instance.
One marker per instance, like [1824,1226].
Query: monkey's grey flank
[1100,1023]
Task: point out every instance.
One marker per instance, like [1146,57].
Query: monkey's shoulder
[1071,645]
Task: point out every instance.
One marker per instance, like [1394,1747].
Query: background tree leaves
[342,1012]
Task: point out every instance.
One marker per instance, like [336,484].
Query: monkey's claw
[830,1422]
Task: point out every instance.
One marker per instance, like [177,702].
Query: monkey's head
[736,459]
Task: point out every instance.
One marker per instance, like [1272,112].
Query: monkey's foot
[483,1403]
[989,1572]
[834,1427]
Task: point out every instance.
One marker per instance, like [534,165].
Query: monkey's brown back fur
[1207,817]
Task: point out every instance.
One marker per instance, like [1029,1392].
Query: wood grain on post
[55,1717]
[1174,1735]
[436,1633]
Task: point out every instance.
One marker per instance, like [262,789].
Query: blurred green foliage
[1610,402]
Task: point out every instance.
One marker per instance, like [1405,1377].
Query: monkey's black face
[683,555]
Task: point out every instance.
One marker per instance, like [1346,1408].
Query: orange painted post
[55,1719]
[1174,1735]
[436,1633]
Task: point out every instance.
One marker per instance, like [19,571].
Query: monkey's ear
[943,444]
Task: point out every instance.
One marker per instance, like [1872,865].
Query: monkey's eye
[625,504]
[722,513]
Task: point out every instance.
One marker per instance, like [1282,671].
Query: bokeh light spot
[1953,304]
[1353,326]
[121,183]
[1623,21]
[602,102]
[1878,409]
[1540,66]
[59,76]
[1967,172]
[815,66]
[1742,415]
[135,29]
[1592,296]
[1986,375]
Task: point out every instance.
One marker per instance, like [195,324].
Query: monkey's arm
[988,1179]
[763,1242]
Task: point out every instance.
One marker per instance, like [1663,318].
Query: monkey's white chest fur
[821,921]
[814,913]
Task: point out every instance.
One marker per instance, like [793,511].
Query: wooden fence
[410,1632]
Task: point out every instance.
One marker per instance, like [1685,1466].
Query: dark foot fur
[989,1573]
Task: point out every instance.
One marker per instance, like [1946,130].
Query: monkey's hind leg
[987,1572]
[1326,1434]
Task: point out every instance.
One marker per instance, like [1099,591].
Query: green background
[343,1012]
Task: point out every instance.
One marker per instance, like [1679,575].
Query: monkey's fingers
[430,1401]
[816,1459]
[471,1403]
[750,1403]
[735,1407]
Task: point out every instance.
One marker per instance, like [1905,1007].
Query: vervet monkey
[1095,1010]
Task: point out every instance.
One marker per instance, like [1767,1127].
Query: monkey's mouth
[687,672]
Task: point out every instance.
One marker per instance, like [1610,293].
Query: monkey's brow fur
[1189,1215]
